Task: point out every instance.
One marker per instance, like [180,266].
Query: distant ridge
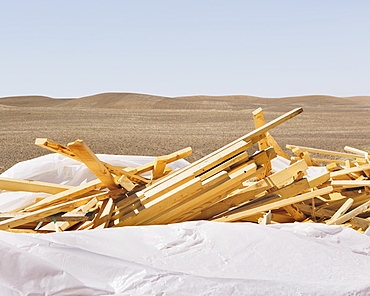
[145,102]
[30,101]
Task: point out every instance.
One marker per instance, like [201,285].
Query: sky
[68,49]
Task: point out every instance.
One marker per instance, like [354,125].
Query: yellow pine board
[65,225]
[259,120]
[171,199]
[194,205]
[272,142]
[249,138]
[58,148]
[31,186]
[66,195]
[170,158]
[126,183]
[274,205]
[321,151]
[55,147]
[360,209]
[282,193]
[167,214]
[350,183]
[89,158]
[243,156]
[159,167]
[45,212]
[350,170]
[346,205]
[275,180]
[103,217]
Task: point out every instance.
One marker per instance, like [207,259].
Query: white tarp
[192,258]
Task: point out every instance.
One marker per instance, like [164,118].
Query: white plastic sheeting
[192,258]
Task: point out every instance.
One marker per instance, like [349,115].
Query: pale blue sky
[176,48]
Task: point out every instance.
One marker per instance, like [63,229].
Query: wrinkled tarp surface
[192,258]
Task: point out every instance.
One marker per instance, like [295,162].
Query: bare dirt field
[134,124]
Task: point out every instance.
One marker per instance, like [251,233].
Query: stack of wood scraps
[228,185]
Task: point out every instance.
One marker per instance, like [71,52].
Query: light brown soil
[150,125]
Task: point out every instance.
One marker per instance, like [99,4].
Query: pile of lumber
[228,185]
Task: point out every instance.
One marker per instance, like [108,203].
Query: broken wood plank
[159,167]
[295,213]
[45,212]
[31,186]
[66,195]
[346,205]
[259,120]
[170,158]
[174,199]
[84,208]
[274,205]
[126,183]
[279,151]
[350,170]
[364,154]
[321,151]
[80,216]
[360,209]
[102,219]
[198,203]
[58,148]
[239,158]
[242,196]
[85,154]
[350,183]
[249,138]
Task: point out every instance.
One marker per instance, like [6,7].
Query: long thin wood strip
[350,183]
[357,151]
[159,167]
[360,209]
[345,206]
[242,157]
[66,195]
[67,217]
[45,212]
[65,225]
[321,151]
[259,120]
[350,170]
[360,222]
[293,211]
[272,142]
[170,158]
[85,154]
[277,179]
[249,138]
[287,191]
[58,148]
[160,204]
[176,179]
[167,215]
[198,204]
[31,186]
[275,205]
[103,217]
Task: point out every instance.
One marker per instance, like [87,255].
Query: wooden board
[275,205]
